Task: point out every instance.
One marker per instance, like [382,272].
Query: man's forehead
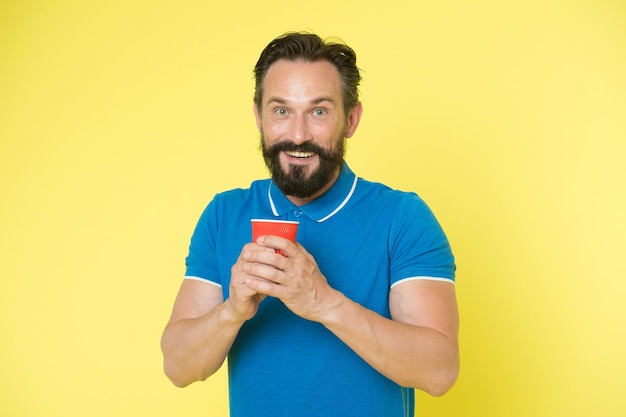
[321,68]
[319,78]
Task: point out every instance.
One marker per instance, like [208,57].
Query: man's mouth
[302,155]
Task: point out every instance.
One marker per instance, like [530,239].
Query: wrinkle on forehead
[302,82]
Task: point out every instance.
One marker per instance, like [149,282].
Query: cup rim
[274,221]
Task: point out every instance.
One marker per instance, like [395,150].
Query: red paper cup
[283,228]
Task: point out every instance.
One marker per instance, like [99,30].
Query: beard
[293,180]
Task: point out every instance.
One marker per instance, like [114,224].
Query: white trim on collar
[343,203]
[272,205]
[323,219]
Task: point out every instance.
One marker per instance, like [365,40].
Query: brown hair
[309,47]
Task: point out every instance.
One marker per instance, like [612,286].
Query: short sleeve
[419,246]
[201,261]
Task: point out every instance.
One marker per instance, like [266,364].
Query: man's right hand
[243,302]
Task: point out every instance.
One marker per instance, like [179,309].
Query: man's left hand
[292,276]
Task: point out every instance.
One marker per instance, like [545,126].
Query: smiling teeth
[301,154]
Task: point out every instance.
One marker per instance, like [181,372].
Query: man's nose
[300,131]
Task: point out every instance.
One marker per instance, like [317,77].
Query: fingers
[265,249]
[263,286]
[267,265]
[279,244]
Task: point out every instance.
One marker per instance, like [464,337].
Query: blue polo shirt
[365,238]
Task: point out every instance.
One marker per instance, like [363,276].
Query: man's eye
[319,112]
[281,112]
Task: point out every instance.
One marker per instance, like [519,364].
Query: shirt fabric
[365,238]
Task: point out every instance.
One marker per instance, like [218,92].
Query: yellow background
[119,120]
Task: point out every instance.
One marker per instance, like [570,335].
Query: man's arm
[199,334]
[417,348]
[203,326]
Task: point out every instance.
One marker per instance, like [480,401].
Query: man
[357,313]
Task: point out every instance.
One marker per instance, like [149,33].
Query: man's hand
[292,276]
[243,301]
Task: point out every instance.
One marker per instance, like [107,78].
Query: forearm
[412,356]
[194,349]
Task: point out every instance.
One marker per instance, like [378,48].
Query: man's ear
[354,117]
[257,116]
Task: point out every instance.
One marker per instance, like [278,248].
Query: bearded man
[355,314]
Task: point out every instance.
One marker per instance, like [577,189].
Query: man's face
[303,126]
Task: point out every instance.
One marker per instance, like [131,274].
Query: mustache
[289,146]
